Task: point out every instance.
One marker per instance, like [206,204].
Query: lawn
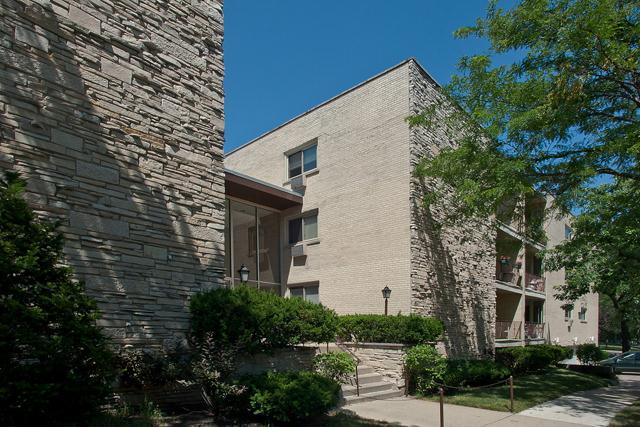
[629,417]
[529,390]
[613,347]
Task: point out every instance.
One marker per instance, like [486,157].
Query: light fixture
[386,293]
[244,273]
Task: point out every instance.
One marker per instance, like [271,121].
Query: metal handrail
[346,349]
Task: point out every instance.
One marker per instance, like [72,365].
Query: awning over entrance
[259,192]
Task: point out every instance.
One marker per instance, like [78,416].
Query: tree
[561,115]
[54,362]
[604,254]
[560,118]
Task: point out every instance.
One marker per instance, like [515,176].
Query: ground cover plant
[55,364]
[411,329]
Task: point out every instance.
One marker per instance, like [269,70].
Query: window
[303,228]
[582,314]
[303,161]
[308,293]
[568,311]
[568,232]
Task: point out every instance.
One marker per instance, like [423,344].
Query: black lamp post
[244,273]
[386,293]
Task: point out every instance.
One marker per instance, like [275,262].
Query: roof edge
[340,95]
[261,182]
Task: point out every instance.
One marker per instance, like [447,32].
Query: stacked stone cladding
[113,113]
[452,266]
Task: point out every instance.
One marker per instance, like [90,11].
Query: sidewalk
[587,408]
[591,407]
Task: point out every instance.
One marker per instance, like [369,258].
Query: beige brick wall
[361,191]
[113,112]
[557,327]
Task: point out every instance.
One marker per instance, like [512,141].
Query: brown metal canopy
[262,193]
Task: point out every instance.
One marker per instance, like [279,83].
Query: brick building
[361,225]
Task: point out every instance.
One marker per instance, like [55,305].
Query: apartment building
[342,216]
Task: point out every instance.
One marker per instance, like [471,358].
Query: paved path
[588,408]
[591,407]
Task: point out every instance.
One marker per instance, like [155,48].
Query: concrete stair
[372,387]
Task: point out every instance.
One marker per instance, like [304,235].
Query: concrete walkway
[588,408]
[591,407]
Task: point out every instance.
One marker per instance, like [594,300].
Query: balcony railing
[534,282]
[508,330]
[533,331]
[507,274]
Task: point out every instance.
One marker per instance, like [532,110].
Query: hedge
[531,358]
[411,329]
[471,373]
[251,320]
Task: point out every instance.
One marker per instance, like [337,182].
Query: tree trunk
[624,333]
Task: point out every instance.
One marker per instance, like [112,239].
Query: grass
[529,390]
[629,417]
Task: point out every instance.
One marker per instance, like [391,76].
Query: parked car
[629,361]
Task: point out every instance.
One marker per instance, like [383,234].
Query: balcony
[533,282]
[533,331]
[508,330]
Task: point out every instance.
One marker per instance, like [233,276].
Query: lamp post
[244,274]
[386,293]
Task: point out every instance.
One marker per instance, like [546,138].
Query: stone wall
[386,359]
[113,113]
[452,266]
[288,359]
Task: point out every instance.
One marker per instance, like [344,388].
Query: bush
[290,396]
[590,354]
[252,320]
[336,366]
[425,366]
[55,364]
[412,329]
[471,373]
[143,368]
[531,358]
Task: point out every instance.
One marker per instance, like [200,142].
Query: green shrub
[290,396]
[143,368]
[252,320]
[55,364]
[336,365]
[411,329]
[425,367]
[471,373]
[531,358]
[590,354]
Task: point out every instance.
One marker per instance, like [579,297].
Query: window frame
[302,217]
[304,287]
[300,149]
[582,314]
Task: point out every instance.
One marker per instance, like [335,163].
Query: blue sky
[284,56]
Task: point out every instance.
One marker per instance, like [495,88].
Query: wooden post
[441,407]
[357,382]
[511,391]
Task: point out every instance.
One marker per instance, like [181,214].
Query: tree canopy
[564,113]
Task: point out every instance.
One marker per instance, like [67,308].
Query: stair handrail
[341,345]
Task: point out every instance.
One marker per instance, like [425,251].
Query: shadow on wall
[111,137]
[450,289]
